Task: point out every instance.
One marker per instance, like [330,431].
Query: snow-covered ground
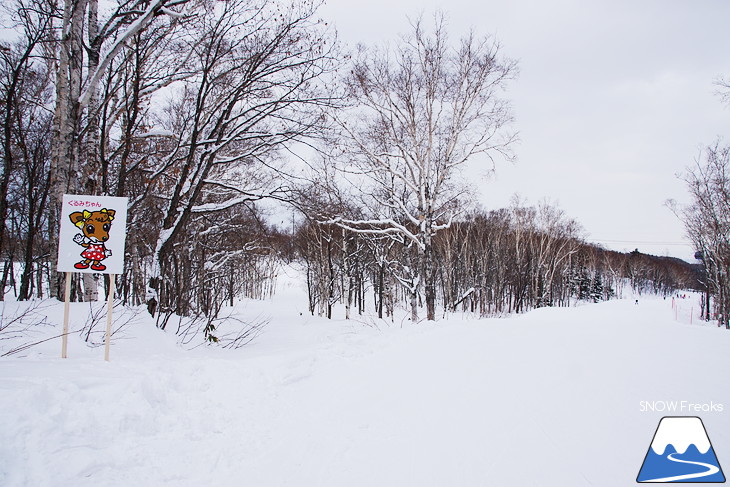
[556,397]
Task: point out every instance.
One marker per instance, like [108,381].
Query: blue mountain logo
[681,452]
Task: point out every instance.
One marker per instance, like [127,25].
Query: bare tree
[24,91]
[555,240]
[257,89]
[86,48]
[420,112]
[707,221]
[21,74]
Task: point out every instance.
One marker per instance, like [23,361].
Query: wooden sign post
[67,298]
[91,240]
[109,309]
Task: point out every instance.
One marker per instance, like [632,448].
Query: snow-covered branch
[145,17]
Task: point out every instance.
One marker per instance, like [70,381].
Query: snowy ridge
[680,433]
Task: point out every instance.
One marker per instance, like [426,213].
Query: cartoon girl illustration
[95,226]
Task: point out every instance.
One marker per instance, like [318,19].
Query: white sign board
[92,235]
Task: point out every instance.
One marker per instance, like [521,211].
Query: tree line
[197,110]
[488,263]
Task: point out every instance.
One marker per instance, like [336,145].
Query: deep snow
[549,398]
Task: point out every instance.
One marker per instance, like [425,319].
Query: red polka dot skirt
[94,252]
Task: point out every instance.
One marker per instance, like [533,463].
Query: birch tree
[87,46]
[420,111]
[555,240]
[707,221]
[257,89]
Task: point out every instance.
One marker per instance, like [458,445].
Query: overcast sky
[613,100]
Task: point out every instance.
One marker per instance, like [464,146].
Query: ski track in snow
[711,470]
[549,398]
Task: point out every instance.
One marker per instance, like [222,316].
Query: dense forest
[197,111]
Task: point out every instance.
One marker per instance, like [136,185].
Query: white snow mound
[680,432]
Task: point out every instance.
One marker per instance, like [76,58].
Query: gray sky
[613,100]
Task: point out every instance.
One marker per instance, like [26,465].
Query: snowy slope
[550,398]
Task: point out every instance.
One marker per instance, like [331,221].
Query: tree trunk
[414,305]
[91,287]
[330,280]
[347,281]
[429,284]
[381,291]
[4,279]
[88,176]
[39,281]
[26,278]
[66,124]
